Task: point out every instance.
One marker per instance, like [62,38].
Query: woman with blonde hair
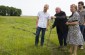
[74,37]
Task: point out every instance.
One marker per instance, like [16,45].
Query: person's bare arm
[53,17]
[37,21]
[47,24]
[72,23]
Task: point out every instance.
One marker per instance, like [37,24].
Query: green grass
[15,41]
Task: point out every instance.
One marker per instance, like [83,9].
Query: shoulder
[84,10]
[40,12]
[76,14]
[63,13]
[48,14]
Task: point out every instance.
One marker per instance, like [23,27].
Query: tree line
[9,11]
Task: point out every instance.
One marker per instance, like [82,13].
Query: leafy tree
[10,11]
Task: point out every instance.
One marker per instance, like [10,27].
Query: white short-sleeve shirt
[43,18]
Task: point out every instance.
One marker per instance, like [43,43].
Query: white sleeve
[49,17]
[38,14]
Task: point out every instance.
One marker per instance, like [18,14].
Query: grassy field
[17,38]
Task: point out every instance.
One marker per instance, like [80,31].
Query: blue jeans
[42,36]
[82,28]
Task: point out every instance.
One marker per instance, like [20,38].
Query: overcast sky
[31,7]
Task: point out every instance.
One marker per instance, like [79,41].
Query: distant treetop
[9,11]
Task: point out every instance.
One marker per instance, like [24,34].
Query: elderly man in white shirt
[42,21]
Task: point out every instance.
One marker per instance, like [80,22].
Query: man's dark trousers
[82,28]
[62,36]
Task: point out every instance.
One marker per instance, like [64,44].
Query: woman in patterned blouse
[74,37]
